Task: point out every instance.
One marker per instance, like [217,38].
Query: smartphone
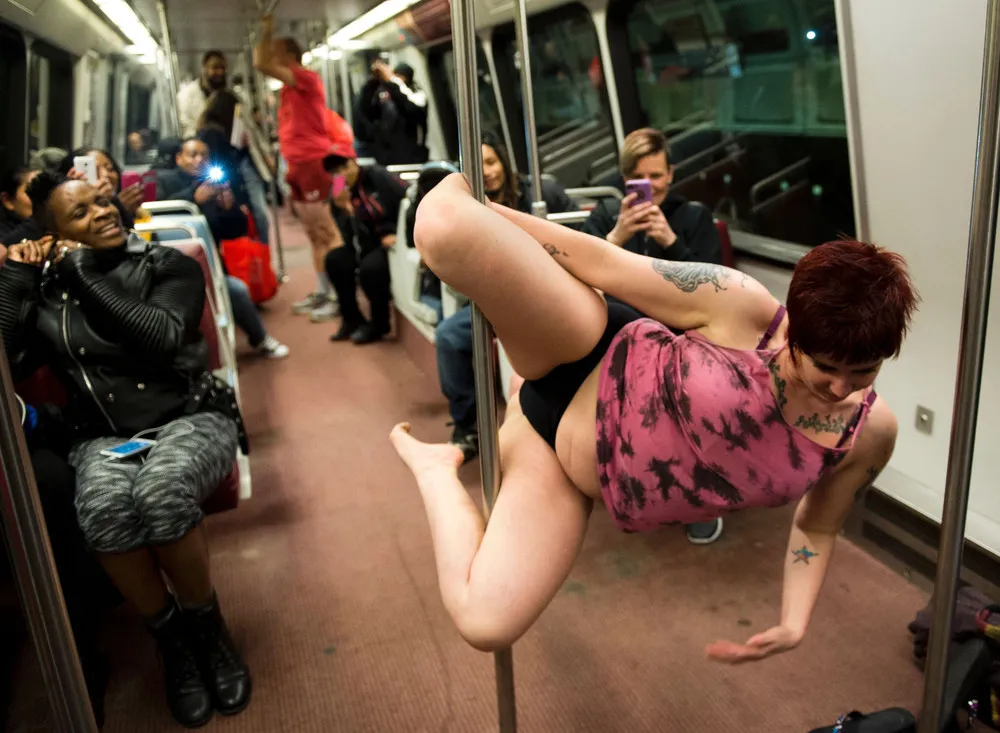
[339,184]
[216,175]
[87,166]
[131,448]
[147,180]
[643,190]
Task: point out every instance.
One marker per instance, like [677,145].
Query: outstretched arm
[264,61]
[683,295]
[818,520]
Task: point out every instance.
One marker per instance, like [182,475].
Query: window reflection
[750,93]
[488,112]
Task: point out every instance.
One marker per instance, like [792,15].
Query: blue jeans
[453,342]
[257,192]
[245,313]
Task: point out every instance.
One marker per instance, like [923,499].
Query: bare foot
[422,457]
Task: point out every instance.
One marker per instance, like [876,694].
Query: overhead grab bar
[484,359]
[978,275]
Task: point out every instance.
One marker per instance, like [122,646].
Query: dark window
[750,94]
[13,78]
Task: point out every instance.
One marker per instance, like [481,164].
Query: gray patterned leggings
[154,499]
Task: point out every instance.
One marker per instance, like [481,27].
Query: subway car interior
[275,273]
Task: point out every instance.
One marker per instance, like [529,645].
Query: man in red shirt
[304,137]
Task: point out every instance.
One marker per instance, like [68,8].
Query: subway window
[443,84]
[12,90]
[750,94]
[50,103]
[572,113]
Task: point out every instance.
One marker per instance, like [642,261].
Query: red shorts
[309,181]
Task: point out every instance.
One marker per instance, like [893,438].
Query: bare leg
[496,580]
[542,314]
[138,578]
[187,565]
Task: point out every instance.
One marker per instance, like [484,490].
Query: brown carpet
[327,580]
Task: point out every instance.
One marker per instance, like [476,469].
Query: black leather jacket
[119,327]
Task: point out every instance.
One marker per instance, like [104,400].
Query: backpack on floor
[250,261]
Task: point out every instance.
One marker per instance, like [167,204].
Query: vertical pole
[345,89]
[538,206]
[978,274]
[35,572]
[260,85]
[171,71]
[463,31]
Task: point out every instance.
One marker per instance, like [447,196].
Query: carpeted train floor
[327,580]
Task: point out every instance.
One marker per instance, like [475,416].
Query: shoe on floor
[272,348]
[326,310]
[308,303]
[367,334]
[467,439]
[704,533]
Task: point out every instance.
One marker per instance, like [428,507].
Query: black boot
[348,327]
[367,334]
[187,696]
[225,672]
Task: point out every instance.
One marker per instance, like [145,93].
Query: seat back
[209,329]
[728,259]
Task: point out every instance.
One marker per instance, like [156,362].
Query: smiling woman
[121,319]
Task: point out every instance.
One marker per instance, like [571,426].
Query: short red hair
[850,301]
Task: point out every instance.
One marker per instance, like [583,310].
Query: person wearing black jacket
[667,228]
[391,116]
[126,200]
[371,200]
[118,320]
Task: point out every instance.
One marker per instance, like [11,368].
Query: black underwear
[544,400]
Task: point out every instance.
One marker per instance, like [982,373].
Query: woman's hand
[131,198]
[775,640]
[103,185]
[631,220]
[31,252]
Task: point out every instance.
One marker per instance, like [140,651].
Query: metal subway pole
[979,271]
[35,572]
[260,86]
[168,50]
[463,31]
[538,205]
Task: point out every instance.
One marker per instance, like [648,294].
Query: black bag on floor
[894,720]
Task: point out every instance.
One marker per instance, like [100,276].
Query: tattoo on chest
[828,424]
[554,251]
[779,383]
[804,554]
[688,277]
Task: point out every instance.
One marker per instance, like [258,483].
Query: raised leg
[543,315]
[496,580]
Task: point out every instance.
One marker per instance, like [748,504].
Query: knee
[168,514]
[109,519]
[338,261]
[485,632]
[431,229]
[374,269]
[237,288]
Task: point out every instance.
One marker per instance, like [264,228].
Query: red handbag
[250,261]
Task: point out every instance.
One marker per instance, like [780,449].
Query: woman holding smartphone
[118,319]
[108,177]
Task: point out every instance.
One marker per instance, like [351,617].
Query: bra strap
[852,427]
[773,328]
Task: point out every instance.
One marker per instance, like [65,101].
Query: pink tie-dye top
[688,430]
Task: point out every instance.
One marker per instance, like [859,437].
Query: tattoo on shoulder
[689,276]
[554,251]
[828,424]
[804,554]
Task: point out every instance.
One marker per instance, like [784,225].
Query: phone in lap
[129,448]
[643,190]
[147,180]
[87,166]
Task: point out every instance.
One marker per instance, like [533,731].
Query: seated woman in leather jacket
[118,319]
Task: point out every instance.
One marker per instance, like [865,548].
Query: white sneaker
[308,303]
[272,348]
[326,311]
